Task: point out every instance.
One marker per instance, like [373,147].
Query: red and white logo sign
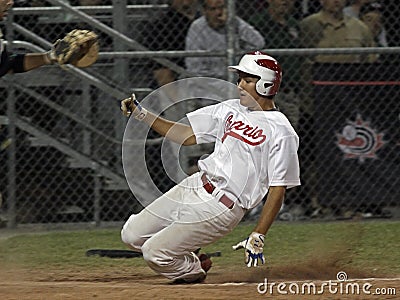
[359,140]
[237,129]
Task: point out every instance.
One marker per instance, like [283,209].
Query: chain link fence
[61,129]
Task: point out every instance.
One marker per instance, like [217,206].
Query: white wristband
[142,114]
[142,111]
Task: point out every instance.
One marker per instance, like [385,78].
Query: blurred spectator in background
[280,31]
[168,32]
[330,28]
[209,32]
[306,8]
[371,14]
[353,10]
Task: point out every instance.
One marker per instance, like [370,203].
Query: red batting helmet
[264,66]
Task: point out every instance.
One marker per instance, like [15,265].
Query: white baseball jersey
[253,150]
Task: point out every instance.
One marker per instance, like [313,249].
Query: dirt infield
[142,283]
[60,270]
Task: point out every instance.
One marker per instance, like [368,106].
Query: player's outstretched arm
[36,60]
[177,132]
[21,63]
[79,48]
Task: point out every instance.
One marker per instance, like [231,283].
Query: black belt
[209,187]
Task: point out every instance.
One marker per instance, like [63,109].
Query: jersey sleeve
[283,168]
[204,123]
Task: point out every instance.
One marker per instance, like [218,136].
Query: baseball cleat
[205,261]
[206,264]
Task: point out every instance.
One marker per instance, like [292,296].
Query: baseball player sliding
[255,157]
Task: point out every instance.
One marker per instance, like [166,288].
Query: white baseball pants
[182,220]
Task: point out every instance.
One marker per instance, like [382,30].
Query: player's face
[247,91]
[215,13]
[5,5]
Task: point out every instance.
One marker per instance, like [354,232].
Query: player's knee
[125,236]
[153,256]
[130,236]
[148,253]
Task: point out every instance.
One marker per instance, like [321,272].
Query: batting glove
[253,246]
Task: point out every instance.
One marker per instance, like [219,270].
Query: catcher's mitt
[79,48]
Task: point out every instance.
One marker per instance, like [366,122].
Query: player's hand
[130,105]
[50,57]
[126,107]
[253,246]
